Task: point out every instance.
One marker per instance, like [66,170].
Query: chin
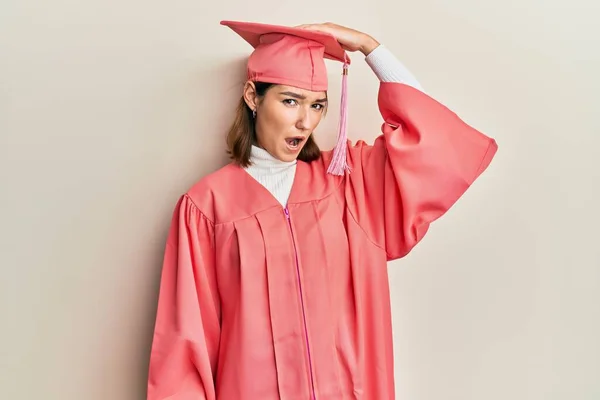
[285,157]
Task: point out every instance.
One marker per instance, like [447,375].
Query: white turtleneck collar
[275,175]
[262,158]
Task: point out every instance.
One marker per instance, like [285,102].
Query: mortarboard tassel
[339,164]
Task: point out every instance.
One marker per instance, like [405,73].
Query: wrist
[368,44]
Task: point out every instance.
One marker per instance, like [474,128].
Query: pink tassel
[339,163]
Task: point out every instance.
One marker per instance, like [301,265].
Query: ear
[250,96]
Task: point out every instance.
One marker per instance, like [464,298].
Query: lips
[294,142]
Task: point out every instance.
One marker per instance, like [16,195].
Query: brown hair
[242,134]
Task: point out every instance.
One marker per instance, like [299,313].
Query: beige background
[110,110]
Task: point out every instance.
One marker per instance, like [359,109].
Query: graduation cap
[296,57]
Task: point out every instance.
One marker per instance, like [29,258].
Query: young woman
[275,282]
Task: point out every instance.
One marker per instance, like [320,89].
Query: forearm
[386,66]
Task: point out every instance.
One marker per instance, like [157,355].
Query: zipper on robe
[312,383]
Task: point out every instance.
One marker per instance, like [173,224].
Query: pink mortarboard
[296,57]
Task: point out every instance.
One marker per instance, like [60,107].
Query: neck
[259,157]
[275,175]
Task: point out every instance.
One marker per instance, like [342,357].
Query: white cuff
[389,69]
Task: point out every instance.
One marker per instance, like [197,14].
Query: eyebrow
[301,97]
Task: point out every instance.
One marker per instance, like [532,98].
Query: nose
[304,120]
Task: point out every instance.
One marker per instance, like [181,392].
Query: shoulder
[314,183]
[213,188]
[230,194]
[357,152]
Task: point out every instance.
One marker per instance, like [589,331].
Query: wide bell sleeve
[423,162]
[183,358]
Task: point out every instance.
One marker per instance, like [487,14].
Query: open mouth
[294,142]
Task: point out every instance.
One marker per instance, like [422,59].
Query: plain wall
[110,110]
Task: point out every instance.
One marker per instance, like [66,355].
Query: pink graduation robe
[261,302]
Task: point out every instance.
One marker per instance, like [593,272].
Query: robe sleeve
[426,158]
[185,346]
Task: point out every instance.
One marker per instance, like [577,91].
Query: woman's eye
[289,102]
[318,106]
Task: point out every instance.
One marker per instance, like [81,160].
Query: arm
[388,68]
[187,331]
[424,161]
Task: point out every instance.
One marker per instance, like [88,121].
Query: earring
[253,113]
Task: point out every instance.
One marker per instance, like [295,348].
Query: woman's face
[285,117]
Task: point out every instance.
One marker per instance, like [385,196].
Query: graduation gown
[263,302]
